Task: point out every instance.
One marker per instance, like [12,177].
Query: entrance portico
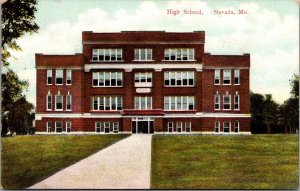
[142,125]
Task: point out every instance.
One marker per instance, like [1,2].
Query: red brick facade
[177,88]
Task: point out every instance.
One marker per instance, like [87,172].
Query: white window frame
[182,98]
[138,54]
[217,76]
[48,126]
[116,52]
[62,103]
[180,74]
[115,126]
[138,79]
[229,96]
[70,99]
[68,126]
[238,126]
[96,127]
[107,99]
[56,122]
[49,75]
[190,126]
[138,100]
[229,122]
[96,76]
[236,103]
[170,125]
[179,126]
[59,76]
[47,108]
[225,73]
[217,101]
[217,126]
[69,77]
[179,54]
[237,75]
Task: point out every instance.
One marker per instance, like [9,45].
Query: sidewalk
[123,165]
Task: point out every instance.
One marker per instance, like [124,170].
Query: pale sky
[269,32]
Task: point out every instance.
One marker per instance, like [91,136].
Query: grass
[225,162]
[27,160]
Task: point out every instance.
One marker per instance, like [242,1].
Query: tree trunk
[268,128]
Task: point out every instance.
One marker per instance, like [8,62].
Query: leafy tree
[256,109]
[17,19]
[295,86]
[270,112]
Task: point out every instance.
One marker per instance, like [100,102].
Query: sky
[269,32]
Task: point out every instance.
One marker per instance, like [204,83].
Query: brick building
[143,82]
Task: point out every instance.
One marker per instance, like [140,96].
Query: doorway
[142,125]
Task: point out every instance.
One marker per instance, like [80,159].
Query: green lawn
[29,159]
[225,162]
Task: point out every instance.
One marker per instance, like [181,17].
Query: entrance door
[142,125]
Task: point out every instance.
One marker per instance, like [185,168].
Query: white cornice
[39,116]
[129,67]
[58,67]
[225,67]
[144,42]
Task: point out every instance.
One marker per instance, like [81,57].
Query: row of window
[59,77]
[59,100]
[227,127]
[116,54]
[107,79]
[107,127]
[58,127]
[179,127]
[227,102]
[227,77]
[113,127]
[101,103]
[115,79]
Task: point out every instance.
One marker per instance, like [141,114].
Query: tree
[294,82]
[17,19]
[15,107]
[256,108]
[270,112]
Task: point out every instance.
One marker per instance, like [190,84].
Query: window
[217,102]
[188,126]
[143,79]
[49,102]
[179,78]
[49,77]
[107,55]
[69,102]
[179,126]
[69,77]
[68,126]
[226,77]
[179,102]
[217,77]
[226,102]
[49,126]
[236,126]
[143,103]
[217,126]
[58,127]
[107,79]
[170,127]
[236,77]
[179,54]
[236,102]
[107,103]
[59,76]
[107,127]
[58,102]
[143,54]
[226,126]
[116,127]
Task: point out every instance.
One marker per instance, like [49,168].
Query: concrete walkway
[125,164]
